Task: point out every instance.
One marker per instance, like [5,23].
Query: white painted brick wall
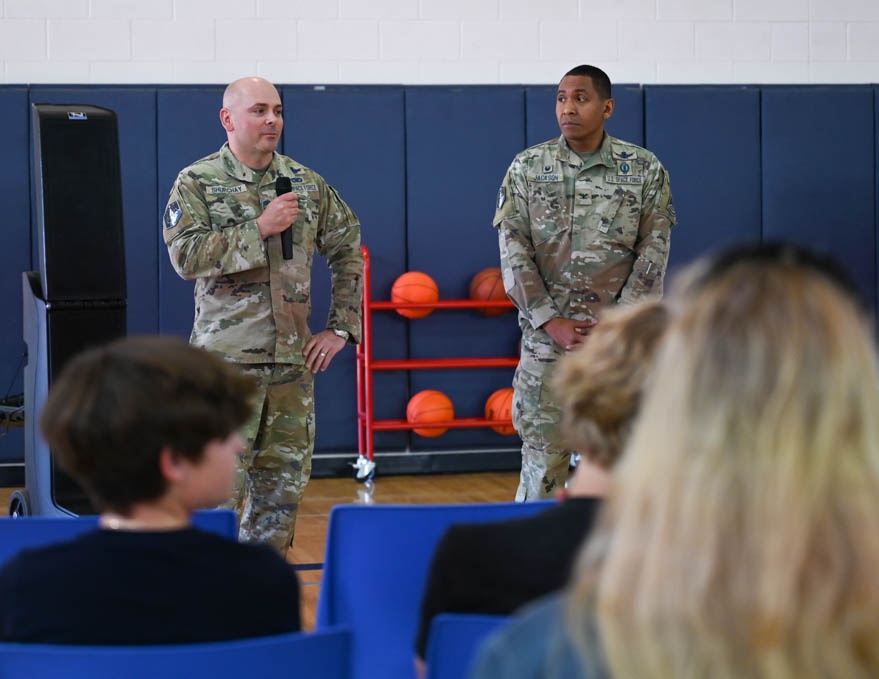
[239,39]
[863,40]
[23,40]
[214,9]
[499,40]
[578,41]
[46,9]
[523,10]
[845,10]
[827,41]
[84,40]
[408,40]
[790,41]
[687,10]
[188,39]
[438,41]
[340,39]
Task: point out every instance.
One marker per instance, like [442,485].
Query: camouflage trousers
[536,417]
[275,464]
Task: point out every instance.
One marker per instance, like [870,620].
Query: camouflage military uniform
[252,308]
[574,236]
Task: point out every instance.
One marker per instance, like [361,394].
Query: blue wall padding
[627,121]
[876,183]
[421,166]
[363,157]
[15,254]
[708,138]
[819,175]
[188,128]
[135,109]
[460,141]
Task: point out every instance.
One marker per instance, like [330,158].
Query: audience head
[116,409]
[742,533]
[598,386]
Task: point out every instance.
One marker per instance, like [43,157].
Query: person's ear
[171,465]
[226,120]
[608,108]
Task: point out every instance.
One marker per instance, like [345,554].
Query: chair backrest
[317,655]
[36,531]
[374,572]
[453,641]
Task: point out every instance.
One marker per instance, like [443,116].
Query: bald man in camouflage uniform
[583,222]
[222,226]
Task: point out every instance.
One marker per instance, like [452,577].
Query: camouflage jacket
[251,305]
[576,236]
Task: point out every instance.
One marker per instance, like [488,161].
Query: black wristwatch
[344,334]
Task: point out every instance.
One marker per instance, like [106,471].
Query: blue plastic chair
[453,641]
[375,566]
[37,531]
[317,655]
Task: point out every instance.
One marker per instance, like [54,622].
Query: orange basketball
[488,286]
[430,405]
[499,406]
[414,287]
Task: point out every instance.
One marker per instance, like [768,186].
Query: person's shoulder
[538,151]
[205,165]
[484,541]
[626,150]
[58,557]
[522,647]
[298,170]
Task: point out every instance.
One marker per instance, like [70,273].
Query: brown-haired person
[741,536]
[497,567]
[148,426]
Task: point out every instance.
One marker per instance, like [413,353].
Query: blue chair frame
[316,655]
[453,641]
[375,567]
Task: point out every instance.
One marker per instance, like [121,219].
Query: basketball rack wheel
[364,469]
[19,506]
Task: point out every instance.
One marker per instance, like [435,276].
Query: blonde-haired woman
[741,538]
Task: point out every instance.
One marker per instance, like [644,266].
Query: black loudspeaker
[78,191]
[77,299]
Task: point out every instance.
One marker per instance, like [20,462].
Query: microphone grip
[287,242]
[284,185]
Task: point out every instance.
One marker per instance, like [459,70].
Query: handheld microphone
[282,186]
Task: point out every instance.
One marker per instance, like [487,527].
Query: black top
[494,568]
[124,587]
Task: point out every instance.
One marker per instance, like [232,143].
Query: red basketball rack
[367,425]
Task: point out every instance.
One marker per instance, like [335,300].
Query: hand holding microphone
[279,215]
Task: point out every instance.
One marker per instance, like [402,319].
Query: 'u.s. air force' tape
[172,215]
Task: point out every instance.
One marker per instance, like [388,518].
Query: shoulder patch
[172,214]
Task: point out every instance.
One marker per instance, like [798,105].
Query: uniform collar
[604,156]
[235,168]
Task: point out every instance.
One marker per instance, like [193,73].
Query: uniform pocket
[549,209]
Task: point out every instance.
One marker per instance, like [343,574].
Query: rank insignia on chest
[584,198]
